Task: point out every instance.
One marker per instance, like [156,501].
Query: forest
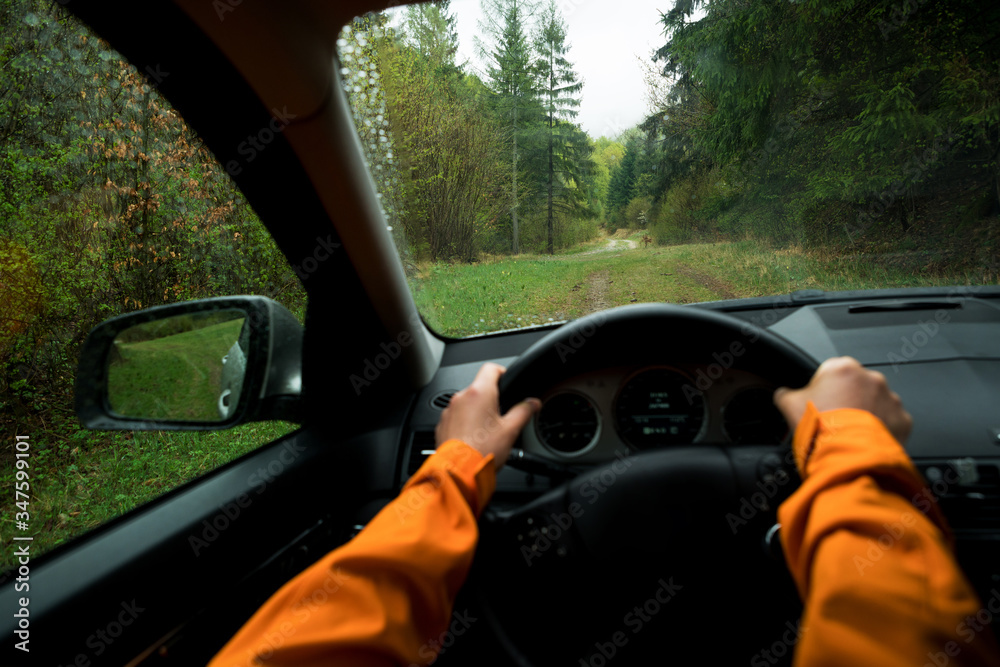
[476,162]
[864,130]
[108,203]
[852,125]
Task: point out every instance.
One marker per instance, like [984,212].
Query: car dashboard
[939,350]
[680,397]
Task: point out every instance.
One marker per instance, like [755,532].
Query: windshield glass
[539,161]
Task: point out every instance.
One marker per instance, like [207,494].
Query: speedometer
[659,407]
[567,423]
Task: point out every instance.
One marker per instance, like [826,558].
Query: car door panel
[116,591]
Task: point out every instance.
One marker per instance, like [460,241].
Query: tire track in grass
[463,300]
[597,291]
[654,277]
[716,285]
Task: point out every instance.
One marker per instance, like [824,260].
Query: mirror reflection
[187,367]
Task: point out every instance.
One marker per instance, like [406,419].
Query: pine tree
[509,76]
[431,30]
[566,151]
[621,189]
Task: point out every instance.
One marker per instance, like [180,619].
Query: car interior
[675,499]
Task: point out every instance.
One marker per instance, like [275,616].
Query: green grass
[84,479]
[464,299]
[469,299]
[756,269]
[173,377]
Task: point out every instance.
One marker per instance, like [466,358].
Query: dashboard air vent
[442,400]
[974,504]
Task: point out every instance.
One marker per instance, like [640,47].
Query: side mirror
[194,366]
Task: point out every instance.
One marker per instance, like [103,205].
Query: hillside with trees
[852,126]
[855,127]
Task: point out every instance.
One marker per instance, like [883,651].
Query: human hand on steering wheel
[842,382]
[473,416]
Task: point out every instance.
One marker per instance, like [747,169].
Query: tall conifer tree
[509,75]
[566,151]
[431,30]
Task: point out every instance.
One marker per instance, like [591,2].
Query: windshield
[540,161]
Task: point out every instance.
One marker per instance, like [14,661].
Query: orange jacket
[385,598]
[871,555]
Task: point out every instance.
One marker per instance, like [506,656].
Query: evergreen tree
[621,189]
[566,150]
[431,30]
[509,77]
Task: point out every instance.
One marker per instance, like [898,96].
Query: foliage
[452,156]
[565,150]
[621,185]
[853,107]
[607,154]
[108,203]
[430,30]
[465,166]
[512,84]
[679,218]
[637,213]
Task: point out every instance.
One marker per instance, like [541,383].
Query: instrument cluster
[599,414]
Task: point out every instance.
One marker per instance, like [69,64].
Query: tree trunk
[549,248]
[515,245]
[996,170]
[551,174]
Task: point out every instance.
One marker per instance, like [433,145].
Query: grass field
[508,293]
[81,479]
[173,377]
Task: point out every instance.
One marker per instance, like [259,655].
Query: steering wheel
[681,538]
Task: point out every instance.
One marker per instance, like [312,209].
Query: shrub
[637,213]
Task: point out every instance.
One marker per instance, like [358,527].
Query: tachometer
[567,423]
[659,407]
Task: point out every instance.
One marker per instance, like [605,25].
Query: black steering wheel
[680,539]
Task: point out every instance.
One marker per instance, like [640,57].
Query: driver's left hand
[473,416]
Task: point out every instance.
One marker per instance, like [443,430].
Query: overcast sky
[606,37]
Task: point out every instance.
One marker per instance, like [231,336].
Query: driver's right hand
[842,382]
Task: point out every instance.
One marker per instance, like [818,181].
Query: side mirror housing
[195,366]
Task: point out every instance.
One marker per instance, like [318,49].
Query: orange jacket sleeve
[385,597]
[871,555]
